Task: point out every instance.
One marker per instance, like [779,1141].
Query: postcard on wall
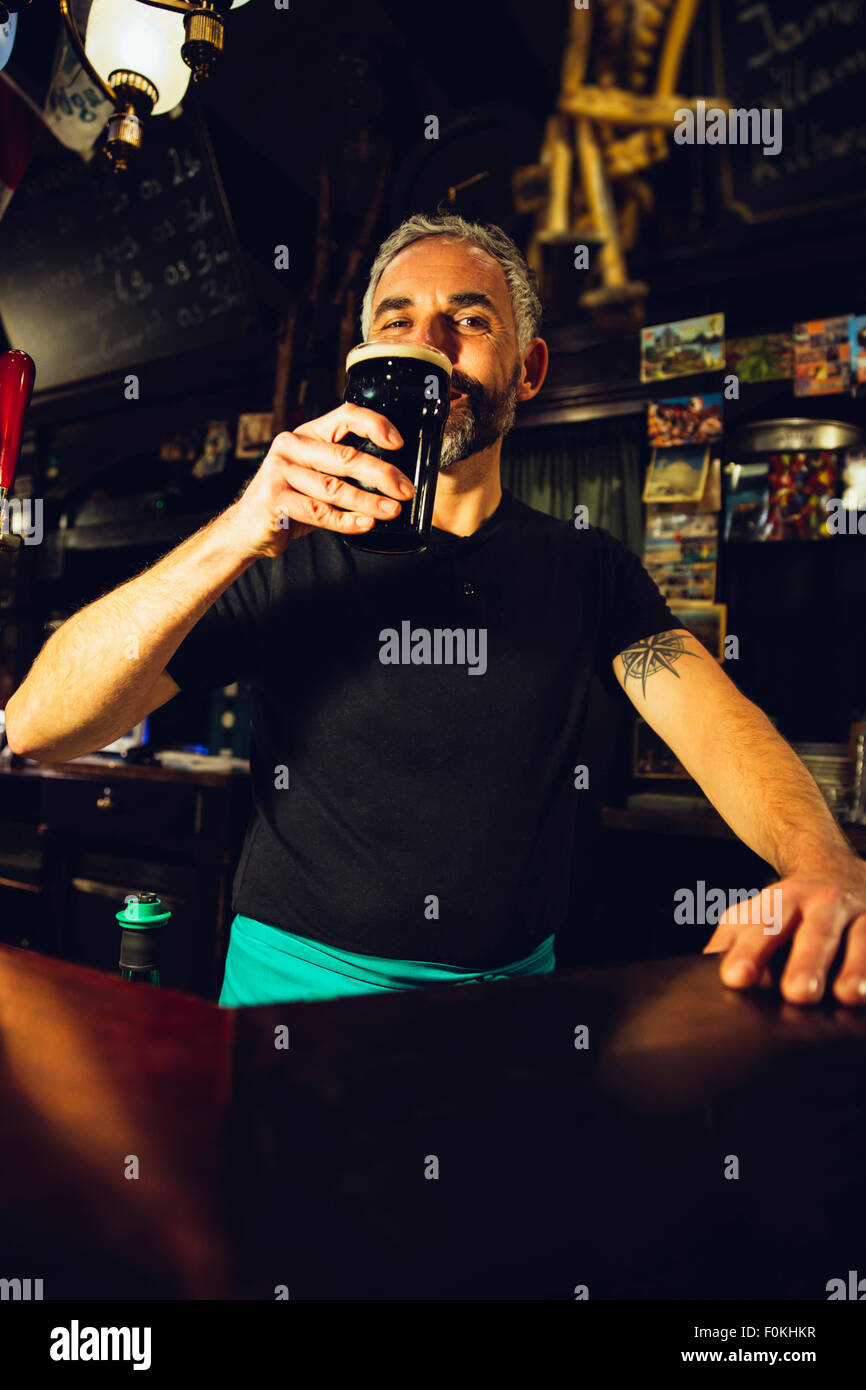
[701,583]
[706,621]
[255,434]
[681,528]
[685,348]
[677,475]
[801,488]
[857,349]
[747,501]
[680,552]
[182,447]
[679,581]
[215,450]
[763,357]
[711,497]
[822,357]
[685,420]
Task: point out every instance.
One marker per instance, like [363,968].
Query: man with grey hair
[488,414]
[412,826]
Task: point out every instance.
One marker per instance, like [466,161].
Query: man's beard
[482,418]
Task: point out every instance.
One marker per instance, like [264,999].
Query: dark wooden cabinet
[124,809]
[75,838]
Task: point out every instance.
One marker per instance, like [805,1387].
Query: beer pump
[17,374]
[142,920]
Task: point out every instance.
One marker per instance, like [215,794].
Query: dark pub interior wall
[312,135]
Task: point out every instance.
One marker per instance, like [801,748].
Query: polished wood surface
[307,1167]
[95,1071]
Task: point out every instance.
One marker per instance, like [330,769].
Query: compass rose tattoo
[651,654]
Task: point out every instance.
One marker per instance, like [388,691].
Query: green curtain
[599,463]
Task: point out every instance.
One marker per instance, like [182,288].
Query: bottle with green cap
[142,920]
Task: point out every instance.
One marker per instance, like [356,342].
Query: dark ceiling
[354,84]
[346,88]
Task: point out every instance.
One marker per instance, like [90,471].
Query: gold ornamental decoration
[616,109]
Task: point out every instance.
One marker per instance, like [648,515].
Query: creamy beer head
[410,385]
[379,347]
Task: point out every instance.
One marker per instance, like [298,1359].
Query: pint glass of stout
[411,386]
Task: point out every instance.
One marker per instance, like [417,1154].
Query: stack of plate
[833,769]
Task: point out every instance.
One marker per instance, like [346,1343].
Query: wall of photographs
[780,493]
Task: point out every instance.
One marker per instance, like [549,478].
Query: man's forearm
[768,798]
[92,679]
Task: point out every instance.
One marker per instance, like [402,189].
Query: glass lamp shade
[7,38]
[125,35]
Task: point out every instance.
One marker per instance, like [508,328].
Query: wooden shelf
[105,770]
[708,824]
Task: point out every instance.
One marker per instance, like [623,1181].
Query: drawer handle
[106,801]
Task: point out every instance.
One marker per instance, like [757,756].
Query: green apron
[266,965]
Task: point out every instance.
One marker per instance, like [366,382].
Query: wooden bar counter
[448,1143]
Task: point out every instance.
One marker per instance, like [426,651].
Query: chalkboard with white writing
[100,272]
[807,60]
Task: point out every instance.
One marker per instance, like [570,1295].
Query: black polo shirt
[409,805]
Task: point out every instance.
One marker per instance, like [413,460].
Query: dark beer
[411,386]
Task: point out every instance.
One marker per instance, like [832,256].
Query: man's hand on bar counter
[754,779]
[820,913]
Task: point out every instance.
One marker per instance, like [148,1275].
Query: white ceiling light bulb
[124,35]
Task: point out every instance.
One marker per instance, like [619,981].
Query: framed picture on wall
[677,475]
[683,348]
[255,432]
[706,621]
[680,420]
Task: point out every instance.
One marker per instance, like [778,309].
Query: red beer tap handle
[17,374]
